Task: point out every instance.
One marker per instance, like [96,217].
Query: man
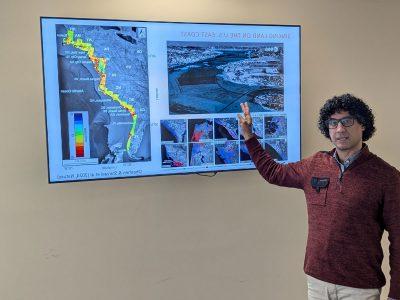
[352,196]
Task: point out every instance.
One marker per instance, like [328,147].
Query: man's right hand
[245,121]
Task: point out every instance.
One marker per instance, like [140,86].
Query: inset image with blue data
[244,152]
[174,148]
[226,152]
[201,154]
[226,129]
[215,77]
[174,155]
[275,126]
[277,148]
[102,72]
[173,131]
[257,128]
[200,130]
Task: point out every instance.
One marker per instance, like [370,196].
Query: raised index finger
[242,107]
[246,109]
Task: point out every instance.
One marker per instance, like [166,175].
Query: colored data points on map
[100,64]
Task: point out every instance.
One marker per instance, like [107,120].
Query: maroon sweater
[346,215]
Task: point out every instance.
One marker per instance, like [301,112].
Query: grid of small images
[217,141]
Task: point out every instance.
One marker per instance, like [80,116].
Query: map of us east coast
[103,70]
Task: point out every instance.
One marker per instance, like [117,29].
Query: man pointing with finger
[352,196]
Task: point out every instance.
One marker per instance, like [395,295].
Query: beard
[347,144]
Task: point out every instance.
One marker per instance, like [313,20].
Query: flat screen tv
[137,98]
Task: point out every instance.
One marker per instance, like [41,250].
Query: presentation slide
[137,98]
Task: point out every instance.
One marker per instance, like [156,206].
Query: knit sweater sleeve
[391,219]
[288,175]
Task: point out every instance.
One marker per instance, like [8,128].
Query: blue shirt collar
[348,161]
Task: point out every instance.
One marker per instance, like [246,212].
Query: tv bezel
[203,173]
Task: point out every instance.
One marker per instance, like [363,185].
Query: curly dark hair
[354,106]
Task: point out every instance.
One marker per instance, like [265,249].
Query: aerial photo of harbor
[210,77]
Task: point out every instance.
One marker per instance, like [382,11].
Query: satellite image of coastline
[277,148]
[226,128]
[200,130]
[244,153]
[275,126]
[102,70]
[201,154]
[173,131]
[258,128]
[227,153]
[174,155]
[211,77]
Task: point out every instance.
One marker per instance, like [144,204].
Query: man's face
[346,138]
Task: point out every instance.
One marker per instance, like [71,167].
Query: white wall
[178,237]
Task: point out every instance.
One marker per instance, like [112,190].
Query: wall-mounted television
[138,98]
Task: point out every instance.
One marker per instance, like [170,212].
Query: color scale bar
[79,137]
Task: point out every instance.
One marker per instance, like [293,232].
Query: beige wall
[178,237]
